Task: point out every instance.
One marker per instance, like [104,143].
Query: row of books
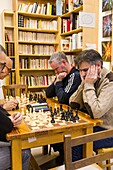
[33,36]
[72,42]
[34,63]
[64,6]
[36,49]
[36,23]
[70,23]
[37,8]
[9,47]
[36,80]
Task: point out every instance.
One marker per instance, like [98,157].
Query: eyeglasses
[3,65]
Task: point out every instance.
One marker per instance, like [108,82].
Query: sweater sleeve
[64,94]
[5,123]
[102,103]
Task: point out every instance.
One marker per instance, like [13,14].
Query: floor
[44,161]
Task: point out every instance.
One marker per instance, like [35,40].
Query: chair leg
[108,162]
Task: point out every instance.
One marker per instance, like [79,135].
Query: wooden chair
[14,90]
[70,142]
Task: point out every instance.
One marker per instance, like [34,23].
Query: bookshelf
[8,30]
[36,37]
[75,38]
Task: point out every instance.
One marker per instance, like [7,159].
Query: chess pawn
[22,111]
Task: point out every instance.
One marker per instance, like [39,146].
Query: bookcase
[75,38]
[35,34]
[8,30]
[36,37]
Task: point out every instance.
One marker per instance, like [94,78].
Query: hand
[10,105]
[92,74]
[61,76]
[16,118]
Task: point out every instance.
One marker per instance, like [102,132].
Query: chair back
[14,90]
[70,142]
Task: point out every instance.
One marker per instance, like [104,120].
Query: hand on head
[16,118]
[10,104]
[92,74]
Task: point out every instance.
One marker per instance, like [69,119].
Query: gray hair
[58,57]
[90,56]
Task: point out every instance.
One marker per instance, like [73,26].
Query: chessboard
[44,120]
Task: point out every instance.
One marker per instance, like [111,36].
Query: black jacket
[65,88]
[5,124]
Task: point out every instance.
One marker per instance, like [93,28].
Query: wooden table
[23,138]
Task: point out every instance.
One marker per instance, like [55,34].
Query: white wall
[7,5]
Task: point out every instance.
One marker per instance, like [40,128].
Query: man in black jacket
[65,84]
[67,78]
[7,121]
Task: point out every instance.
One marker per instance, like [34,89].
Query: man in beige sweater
[95,93]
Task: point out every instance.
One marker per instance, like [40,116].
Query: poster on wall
[107,5]
[107,26]
[106,50]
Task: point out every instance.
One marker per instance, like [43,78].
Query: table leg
[16,154]
[88,147]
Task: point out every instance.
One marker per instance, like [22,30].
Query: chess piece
[55,111]
[76,107]
[62,115]
[52,120]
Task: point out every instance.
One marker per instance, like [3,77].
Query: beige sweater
[98,97]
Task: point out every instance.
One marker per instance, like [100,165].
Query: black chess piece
[35,97]
[71,115]
[76,107]
[58,110]
[61,108]
[30,97]
[62,115]
[17,107]
[52,116]
[55,111]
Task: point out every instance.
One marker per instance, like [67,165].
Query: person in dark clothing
[67,78]
[7,121]
[65,84]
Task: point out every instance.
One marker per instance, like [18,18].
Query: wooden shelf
[37,30]
[78,9]
[72,32]
[9,27]
[33,55]
[73,51]
[49,69]
[33,15]
[36,42]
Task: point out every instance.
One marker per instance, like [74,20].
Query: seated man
[7,122]
[67,78]
[96,93]
[65,84]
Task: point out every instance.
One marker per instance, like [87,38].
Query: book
[65,44]
[59,7]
